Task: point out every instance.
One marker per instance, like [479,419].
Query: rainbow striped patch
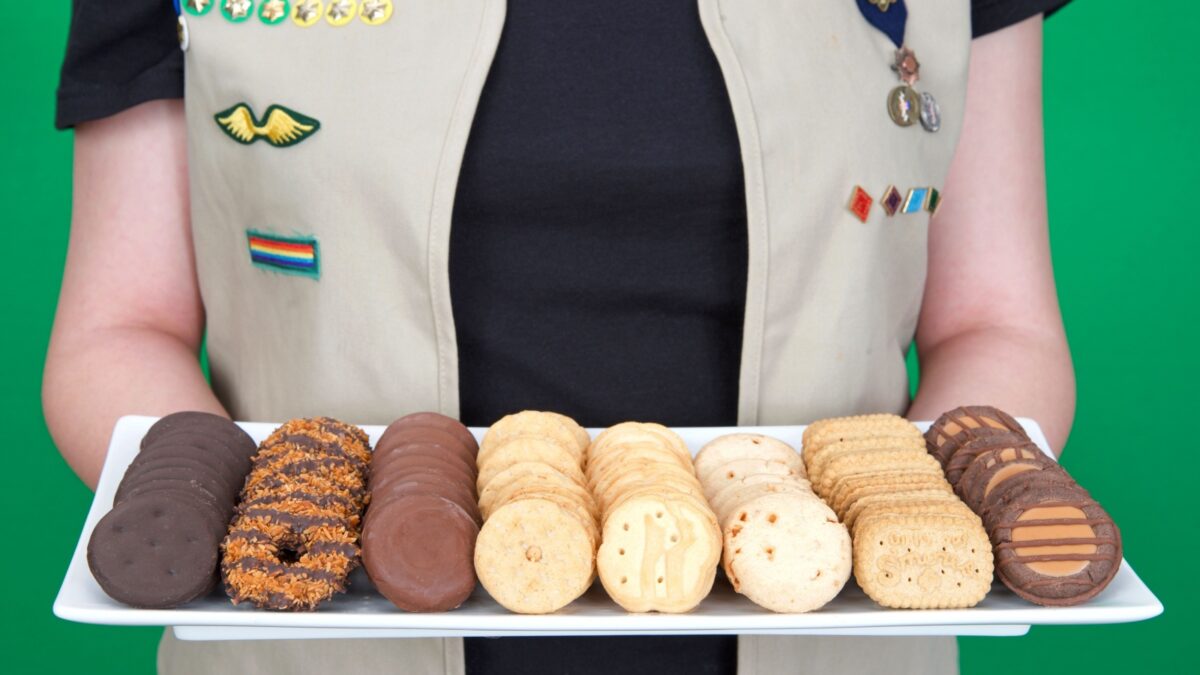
[290,255]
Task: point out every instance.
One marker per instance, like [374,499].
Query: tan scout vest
[831,304]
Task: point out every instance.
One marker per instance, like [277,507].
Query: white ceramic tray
[363,613]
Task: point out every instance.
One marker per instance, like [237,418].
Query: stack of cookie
[1054,545]
[536,552]
[783,546]
[661,541]
[916,545]
[157,547]
[418,542]
[295,537]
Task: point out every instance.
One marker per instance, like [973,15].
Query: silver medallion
[931,113]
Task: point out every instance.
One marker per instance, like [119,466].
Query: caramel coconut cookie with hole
[661,543]
[536,551]
[295,537]
[783,547]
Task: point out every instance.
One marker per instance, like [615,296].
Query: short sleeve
[119,54]
[989,16]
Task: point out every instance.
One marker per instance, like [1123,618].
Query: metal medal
[902,105]
[931,113]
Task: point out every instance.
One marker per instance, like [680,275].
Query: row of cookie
[536,552]
[419,533]
[157,547]
[295,537]
[661,543]
[915,544]
[1053,543]
[783,547]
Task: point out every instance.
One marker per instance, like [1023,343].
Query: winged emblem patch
[279,126]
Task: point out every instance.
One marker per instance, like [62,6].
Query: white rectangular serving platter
[363,613]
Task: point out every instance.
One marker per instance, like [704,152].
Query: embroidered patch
[280,126]
[860,203]
[915,200]
[291,255]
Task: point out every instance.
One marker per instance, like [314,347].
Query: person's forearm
[90,383]
[1025,375]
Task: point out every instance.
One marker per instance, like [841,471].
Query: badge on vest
[304,13]
[280,126]
[893,201]
[288,255]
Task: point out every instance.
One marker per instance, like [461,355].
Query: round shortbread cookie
[528,449]
[745,493]
[661,464]
[659,553]
[533,557]
[628,432]
[643,468]
[568,503]
[731,472]
[540,481]
[535,423]
[746,446]
[786,553]
[663,484]
[621,454]
[519,472]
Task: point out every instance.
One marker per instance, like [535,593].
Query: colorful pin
[860,203]
[915,200]
[891,201]
[934,202]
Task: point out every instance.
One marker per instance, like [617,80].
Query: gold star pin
[882,4]
[340,12]
[375,12]
[198,7]
[273,12]
[237,10]
[307,12]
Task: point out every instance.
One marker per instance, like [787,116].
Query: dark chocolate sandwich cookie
[994,467]
[972,448]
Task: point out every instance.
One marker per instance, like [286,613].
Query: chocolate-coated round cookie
[421,485]
[993,467]
[399,462]
[958,426]
[438,421]
[1056,546]
[419,552]
[157,551]
[179,468]
[975,446]
[424,436]
[427,450]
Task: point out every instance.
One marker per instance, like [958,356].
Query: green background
[1124,185]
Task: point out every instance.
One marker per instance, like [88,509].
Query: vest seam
[442,205]
[757,218]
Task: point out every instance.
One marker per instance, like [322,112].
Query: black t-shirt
[598,244]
